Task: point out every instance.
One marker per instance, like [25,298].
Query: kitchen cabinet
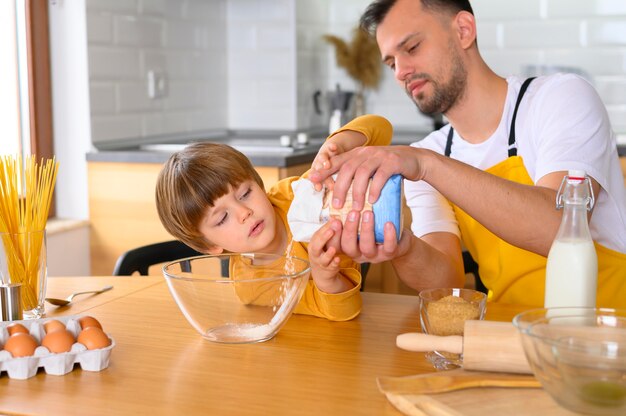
[123,212]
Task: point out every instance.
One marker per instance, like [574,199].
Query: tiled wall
[255,64]
[261,64]
[586,34]
[312,61]
[182,40]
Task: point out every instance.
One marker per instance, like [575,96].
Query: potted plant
[361,59]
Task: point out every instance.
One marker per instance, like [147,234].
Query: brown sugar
[447,315]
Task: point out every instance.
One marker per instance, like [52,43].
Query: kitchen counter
[281,160]
[261,152]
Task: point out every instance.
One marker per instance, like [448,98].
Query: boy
[210,197]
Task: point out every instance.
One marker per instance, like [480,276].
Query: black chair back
[141,258]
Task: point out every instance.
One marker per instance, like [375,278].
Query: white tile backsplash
[102,98]
[607,33]
[154,7]
[585,8]
[271,37]
[99,28]
[119,126]
[132,98]
[167,123]
[489,35]
[114,6]
[255,64]
[108,63]
[507,9]
[138,31]
[542,34]
[184,40]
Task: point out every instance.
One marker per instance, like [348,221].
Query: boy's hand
[323,250]
[322,161]
[337,144]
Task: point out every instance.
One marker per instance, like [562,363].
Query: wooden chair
[141,258]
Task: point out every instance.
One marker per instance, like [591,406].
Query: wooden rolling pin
[485,345]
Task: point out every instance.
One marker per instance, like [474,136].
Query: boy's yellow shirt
[340,306]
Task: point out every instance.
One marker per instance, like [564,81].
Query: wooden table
[161,365]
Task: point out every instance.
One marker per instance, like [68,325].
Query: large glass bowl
[237,298]
[579,356]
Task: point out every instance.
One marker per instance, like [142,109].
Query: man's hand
[339,143]
[361,245]
[357,166]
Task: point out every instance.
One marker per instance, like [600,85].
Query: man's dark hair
[378,9]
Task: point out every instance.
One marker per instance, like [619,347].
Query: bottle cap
[11,302]
[576,174]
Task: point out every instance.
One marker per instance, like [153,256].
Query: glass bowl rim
[483,295]
[526,328]
[257,280]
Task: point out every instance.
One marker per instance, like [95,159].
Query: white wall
[70,104]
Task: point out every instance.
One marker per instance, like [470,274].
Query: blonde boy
[211,198]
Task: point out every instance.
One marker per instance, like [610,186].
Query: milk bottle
[572,269]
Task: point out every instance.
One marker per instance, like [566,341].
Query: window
[25,104]
[10,138]
[25,101]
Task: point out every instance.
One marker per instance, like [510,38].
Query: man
[499,163]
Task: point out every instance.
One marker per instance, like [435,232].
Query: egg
[53,325]
[93,338]
[15,328]
[89,321]
[21,344]
[60,340]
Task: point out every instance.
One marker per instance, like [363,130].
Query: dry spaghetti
[25,198]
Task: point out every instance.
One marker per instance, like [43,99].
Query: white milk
[571,274]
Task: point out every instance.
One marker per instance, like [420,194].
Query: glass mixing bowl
[443,312]
[237,298]
[579,356]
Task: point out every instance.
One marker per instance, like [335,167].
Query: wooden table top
[161,365]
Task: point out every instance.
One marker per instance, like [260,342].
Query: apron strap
[512,144]
[449,142]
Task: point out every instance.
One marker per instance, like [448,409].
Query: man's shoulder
[549,84]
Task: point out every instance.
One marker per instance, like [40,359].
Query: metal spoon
[68,300]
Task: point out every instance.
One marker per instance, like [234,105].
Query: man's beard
[444,95]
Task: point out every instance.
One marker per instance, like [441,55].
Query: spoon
[68,300]
[452,380]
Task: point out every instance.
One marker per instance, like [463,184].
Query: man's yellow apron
[514,275]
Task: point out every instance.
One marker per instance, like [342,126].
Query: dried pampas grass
[360,58]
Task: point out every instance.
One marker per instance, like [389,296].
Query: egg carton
[57,364]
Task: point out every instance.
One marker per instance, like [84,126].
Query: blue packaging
[388,208]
